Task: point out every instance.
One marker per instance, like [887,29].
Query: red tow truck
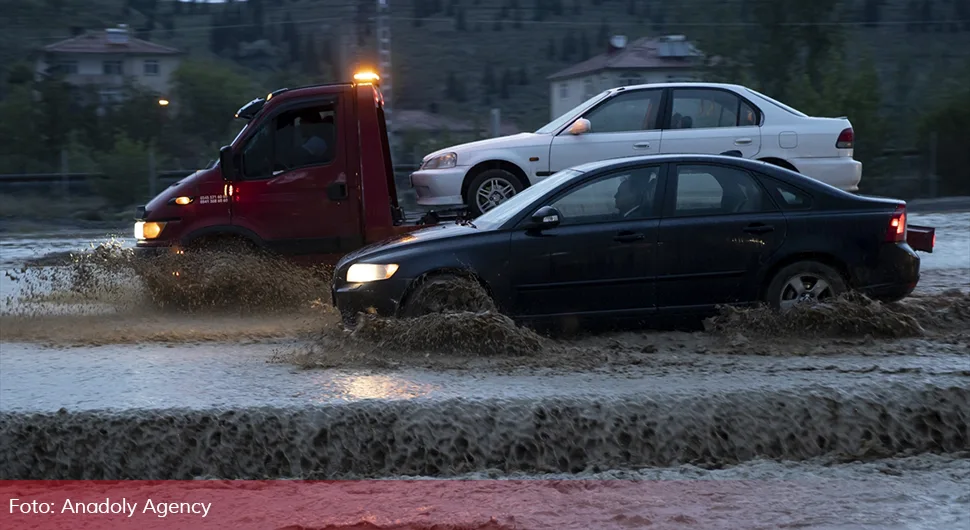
[308,177]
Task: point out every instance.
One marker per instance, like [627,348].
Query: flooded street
[663,429]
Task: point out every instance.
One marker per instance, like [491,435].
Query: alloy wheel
[493,192]
[805,287]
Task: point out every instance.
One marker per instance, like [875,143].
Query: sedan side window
[704,108]
[716,190]
[625,195]
[630,111]
[299,138]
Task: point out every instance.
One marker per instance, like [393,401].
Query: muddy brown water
[143,392]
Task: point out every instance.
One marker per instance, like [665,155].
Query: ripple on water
[445,438]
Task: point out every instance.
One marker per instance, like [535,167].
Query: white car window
[570,115]
[702,109]
[629,111]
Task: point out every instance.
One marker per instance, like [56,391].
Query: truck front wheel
[490,188]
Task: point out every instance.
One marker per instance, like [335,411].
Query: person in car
[314,133]
[634,196]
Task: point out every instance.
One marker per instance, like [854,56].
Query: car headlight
[145,230]
[444,161]
[370,272]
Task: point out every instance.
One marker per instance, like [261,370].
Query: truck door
[624,125]
[286,166]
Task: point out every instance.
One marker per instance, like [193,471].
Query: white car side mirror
[580,126]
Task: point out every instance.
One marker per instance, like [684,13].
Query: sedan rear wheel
[804,281]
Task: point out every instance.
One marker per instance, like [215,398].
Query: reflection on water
[354,387]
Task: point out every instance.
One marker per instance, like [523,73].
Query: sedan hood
[417,237]
[525,139]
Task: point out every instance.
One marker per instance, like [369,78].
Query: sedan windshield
[500,215]
[555,124]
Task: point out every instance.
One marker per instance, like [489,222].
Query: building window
[110,96]
[563,90]
[151,67]
[112,68]
[65,67]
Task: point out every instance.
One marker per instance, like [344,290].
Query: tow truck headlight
[145,230]
[370,272]
[444,161]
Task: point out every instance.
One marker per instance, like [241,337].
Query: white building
[670,58]
[106,59]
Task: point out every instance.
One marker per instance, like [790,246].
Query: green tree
[20,128]
[862,104]
[208,94]
[944,131]
[506,86]
[125,172]
[488,79]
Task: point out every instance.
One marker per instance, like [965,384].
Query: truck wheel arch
[223,231]
[493,164]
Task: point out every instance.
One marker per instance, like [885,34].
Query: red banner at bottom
[423,504]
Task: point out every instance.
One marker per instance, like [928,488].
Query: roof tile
[98,43]
[641,53]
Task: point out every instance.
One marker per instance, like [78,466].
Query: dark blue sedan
[637,237]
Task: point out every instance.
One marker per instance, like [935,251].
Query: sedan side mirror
[227,164]
[545,218]
[580,126]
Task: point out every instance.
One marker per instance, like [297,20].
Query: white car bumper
[843,172]
[439,187]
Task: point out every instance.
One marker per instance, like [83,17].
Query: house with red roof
[665,59]
[107,59]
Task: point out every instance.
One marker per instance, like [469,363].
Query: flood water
[872,438]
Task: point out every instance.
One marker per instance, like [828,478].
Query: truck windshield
[572,114]
[241,131]
[500,215]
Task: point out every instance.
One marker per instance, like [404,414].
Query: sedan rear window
[787,196]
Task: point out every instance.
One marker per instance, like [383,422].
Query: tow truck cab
[309,176]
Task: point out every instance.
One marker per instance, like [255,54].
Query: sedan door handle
[759,228]
[629,237]
[641,145]
[742,141]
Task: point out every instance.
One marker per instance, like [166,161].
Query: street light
[163,102]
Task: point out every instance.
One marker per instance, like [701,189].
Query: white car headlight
[444,161]
[370,272]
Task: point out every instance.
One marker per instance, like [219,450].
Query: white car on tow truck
[700,118]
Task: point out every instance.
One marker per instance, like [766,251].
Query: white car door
[626,124]
[710,121]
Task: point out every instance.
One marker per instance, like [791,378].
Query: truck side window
[257,155]
[305,137]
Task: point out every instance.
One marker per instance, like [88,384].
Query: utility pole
[384,55]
